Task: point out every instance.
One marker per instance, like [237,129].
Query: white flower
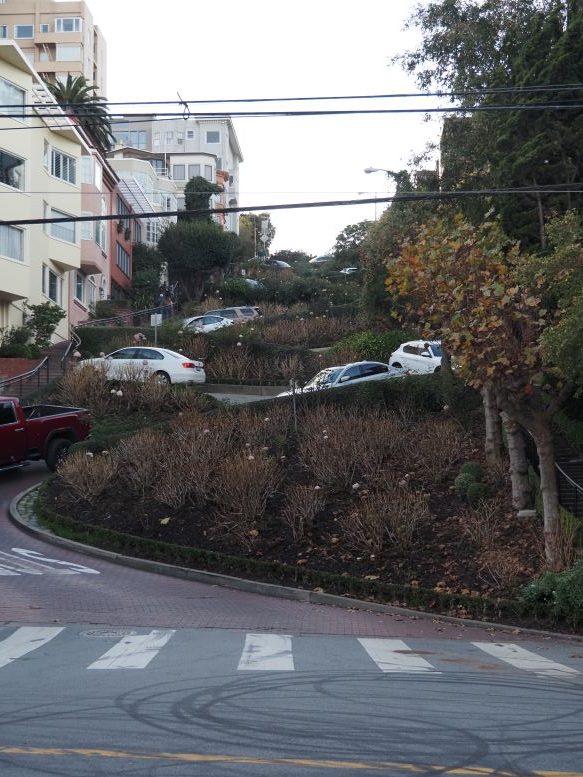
[355,486]
[206,431]
[89,454]
[265,448]
[119,393]
[113,391]
[76,354]
[317,488]
[239,344]
[247,444]
[102,354]
[251,458]
[180,332]
[325,436]
[266,420]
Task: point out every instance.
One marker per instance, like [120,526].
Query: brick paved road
[119,596]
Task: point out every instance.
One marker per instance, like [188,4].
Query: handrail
[26,376]
[129,314]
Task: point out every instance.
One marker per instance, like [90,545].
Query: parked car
[237,313]
[349,270]
[321,259]
[417,356]
[207,323]
[277,264]
[141,362]
[37,432]
[254,283]
[347,375]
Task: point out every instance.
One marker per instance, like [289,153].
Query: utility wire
[409,197]
[322,98]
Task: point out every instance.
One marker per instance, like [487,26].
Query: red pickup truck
[38,432]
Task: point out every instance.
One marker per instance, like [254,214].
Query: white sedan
[139,363]
[206,323]
[417,356]
[347,375]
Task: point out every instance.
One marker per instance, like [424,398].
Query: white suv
[417,356]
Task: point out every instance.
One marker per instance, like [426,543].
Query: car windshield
[324,378]
[436,348]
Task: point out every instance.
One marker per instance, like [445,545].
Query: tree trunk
[543,437]
[521,488]
[493,444]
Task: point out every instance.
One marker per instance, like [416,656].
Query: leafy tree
[76,95]
[462,285]
[197,194]
[42,321]
[349,242]
[250,232]
[195,251]
[292,257]
[146,273]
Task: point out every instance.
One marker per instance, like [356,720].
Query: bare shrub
[88,475]
[338,445]
[306,331]
[232,363]
[242,485]
[385,517]
[262,428]
[85,387]
[499,568]
[210,303]
[195,344]
[140,460]
[482,522]
[302,505]
[439,444]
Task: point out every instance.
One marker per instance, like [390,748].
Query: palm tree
[77,96]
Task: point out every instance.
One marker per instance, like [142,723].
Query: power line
[409,197]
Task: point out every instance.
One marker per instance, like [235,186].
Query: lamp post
[390,174]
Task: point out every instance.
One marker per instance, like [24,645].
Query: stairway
[570,462]
[52,370]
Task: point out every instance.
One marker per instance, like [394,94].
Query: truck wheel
[56,453]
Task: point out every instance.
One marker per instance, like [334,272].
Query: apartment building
[50,168]
[147,187]
[185,148]
[57,38]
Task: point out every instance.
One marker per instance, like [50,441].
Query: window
[79,286]
[122,259]
[149,353]
[91,293]
[213,136]
[193,171]
[86,227]
[11,95]
[23,30]
[370,368]
[169,137]
[3,31]
[219,163]
[11,242]
[178,172]
[67,53]
[156,138]
[51,285]
[11,170]
[66,231]
[137,232]
[101,227]
[44,28]
[190,134]
[208,172]
[46,154]
[68,24]
[180,138]
[63,166]
[7,413]
[86,169]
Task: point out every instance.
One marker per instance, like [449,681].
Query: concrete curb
[29,524]
[242,390]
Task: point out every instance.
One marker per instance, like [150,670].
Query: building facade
[57,38]
[185,148]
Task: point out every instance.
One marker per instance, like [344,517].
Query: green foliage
[42,322]
[250,231]
[195,250]
[472,468]
[377,346]
[560,593]
[475,492]
[349,243]
[197,194]
[146,273]
[77,96]
[108,308]
[462,482]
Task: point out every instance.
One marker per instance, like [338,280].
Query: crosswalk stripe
[267,652]
[133,652]
[525,659]
[393,655]
[24,640]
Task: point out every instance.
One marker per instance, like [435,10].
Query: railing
[570,492]
[26,379]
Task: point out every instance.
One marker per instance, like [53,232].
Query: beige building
[40,177]
[57,37]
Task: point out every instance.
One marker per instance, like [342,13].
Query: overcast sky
[272,48]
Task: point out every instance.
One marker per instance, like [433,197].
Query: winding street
[106,669]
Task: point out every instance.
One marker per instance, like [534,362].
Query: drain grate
[108,633]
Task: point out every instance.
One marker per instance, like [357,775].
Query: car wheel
[397,364]
[57,453]
[437,369]
[162,377]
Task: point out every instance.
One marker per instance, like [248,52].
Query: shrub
[481,523]
[499,568]
[561,594]
[472,468]
[438,443]
[377,346]
[88,475]
[476,492]
[302,505]
[463,482]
